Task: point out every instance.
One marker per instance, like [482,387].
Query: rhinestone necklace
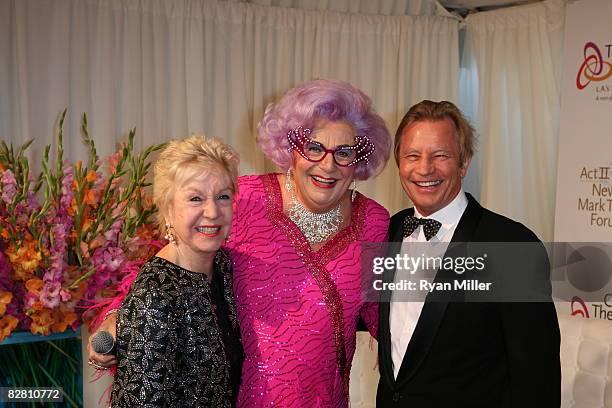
[316,227]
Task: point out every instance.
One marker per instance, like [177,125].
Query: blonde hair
[435,111]
[181,160]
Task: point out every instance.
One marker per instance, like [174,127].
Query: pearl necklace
[316,227]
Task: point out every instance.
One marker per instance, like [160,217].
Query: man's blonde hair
[435,111]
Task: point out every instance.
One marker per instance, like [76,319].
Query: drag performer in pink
[295,246]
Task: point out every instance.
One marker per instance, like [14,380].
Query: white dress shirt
[403,316]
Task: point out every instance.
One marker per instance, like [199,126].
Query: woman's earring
[228,237]
[354,193]
[170,234]
[288,185]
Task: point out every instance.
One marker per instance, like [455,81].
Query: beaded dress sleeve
[147,341]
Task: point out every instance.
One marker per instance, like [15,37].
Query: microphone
[103,343]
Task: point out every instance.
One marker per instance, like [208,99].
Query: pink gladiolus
[29,299]
[50,295]
[8,186]
[65,295]
[113,233]
[113,258]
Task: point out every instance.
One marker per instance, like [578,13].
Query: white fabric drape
[171,68]
[517,53]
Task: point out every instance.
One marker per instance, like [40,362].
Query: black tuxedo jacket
[474,354]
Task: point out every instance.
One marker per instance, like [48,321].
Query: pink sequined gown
[288,329]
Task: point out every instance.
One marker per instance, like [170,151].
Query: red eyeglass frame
[299,136]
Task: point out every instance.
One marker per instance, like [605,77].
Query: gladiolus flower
[65,295]
[34,285]
[8,323]
[25,259]
[8,186]
[89,197]
[41,322]
[5,299]
[29,299]
[113,258]
[113,160]
[91,176]
[50,295]
[63,318]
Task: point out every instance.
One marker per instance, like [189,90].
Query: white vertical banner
[584,179]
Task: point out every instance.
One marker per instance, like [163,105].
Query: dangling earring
[354,193]
[169,234]
[288,185]
[228,237]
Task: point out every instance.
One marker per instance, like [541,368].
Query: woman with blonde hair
[178,341]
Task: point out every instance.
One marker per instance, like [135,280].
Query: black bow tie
[430,226]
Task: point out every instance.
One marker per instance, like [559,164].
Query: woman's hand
[103,361]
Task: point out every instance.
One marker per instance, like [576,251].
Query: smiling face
[429,164]
[201,214]
[321,185]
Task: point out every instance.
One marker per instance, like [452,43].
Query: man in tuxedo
[443,353]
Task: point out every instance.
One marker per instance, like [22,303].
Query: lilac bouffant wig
[332,100]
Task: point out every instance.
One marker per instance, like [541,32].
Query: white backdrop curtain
[171,68]
[511,66]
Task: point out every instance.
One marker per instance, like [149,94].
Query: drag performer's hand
[103,361]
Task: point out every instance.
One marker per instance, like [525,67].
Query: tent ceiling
[473,4]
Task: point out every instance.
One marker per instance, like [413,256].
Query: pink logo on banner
[593,68]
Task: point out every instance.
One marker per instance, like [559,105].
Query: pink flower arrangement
[69,236]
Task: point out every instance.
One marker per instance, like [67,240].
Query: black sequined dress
[178,341]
